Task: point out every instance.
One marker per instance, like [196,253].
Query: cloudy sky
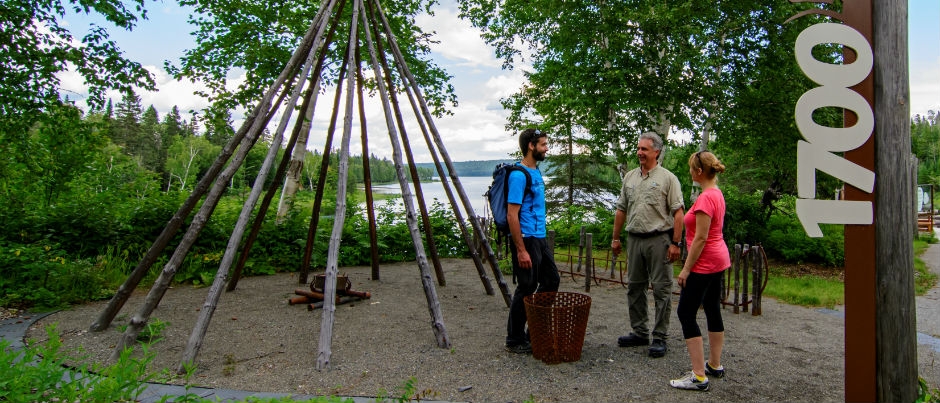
[476,129]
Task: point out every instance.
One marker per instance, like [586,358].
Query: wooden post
[860,286]
[430,292]
[895,329]
[332,258]
[756,274]
[613,264]
[745,266]
[589,264]
[580,248]
[468,207]
[736,267]
[366,172]
[551,242]
[912,165]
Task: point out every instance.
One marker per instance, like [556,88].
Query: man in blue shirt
[533,264]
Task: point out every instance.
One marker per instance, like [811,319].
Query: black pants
[700,290]
[542,277]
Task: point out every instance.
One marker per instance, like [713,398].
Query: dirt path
[257,342]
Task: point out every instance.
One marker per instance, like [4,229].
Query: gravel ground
[258,342]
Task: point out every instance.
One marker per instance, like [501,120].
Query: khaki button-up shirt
[650,201]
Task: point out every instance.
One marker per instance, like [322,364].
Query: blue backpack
[497,193]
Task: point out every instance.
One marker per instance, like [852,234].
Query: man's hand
[673,253]
[616,246]
[525,262]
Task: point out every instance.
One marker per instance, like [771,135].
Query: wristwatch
[674,243]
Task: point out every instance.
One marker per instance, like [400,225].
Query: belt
[645,235]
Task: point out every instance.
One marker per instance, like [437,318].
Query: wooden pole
[895,329]
[336,236]
[452,171]
[468,239]
[745,263]
[430,292]
[755,280]
[162,283]
[295,168]
[366,172]
[176,222]
[324,161]
[415,180]
[589,263]
[215,290]
[301,130]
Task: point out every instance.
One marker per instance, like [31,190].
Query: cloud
[458,41]
[925,88]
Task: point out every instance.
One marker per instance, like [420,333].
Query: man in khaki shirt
[651,205]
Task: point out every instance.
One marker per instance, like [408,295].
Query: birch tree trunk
[296,167]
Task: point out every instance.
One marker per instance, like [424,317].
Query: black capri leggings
[700,290]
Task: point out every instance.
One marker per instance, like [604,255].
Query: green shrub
[599,222]
[745,221]
[787,240]
[42,276]
[925,394]
[38,373]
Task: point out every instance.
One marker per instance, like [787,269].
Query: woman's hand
[683,275]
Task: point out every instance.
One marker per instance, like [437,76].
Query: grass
[810,290]
[924,279]
[813,291]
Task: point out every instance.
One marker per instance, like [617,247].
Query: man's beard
[538,156]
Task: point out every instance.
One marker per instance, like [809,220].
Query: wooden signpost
[872,86]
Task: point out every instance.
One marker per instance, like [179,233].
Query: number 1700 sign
[815,151]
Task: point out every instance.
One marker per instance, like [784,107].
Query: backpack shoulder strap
[528,177]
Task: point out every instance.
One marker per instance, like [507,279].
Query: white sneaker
[690,382]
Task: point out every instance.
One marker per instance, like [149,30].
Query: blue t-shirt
[532,212]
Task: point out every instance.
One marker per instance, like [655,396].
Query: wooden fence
[742,286]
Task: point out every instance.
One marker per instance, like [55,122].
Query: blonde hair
[707,162]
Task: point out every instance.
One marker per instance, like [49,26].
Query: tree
[149,143]
[187,157]
[61,142]
[173,124]
[925,142]
[37,48]
[258,37]
[126,128]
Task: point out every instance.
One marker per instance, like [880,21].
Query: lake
[473,186]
